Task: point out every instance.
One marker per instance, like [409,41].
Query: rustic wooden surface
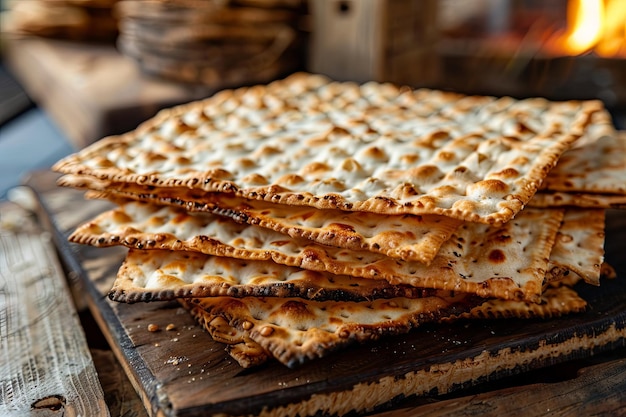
[184,373]
[119,394]
[597,389]
[45,363]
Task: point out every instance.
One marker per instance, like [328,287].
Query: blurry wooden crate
[381,40]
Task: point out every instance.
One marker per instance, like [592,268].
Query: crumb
[153,327]
[170,327]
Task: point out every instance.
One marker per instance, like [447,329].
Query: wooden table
[570,366]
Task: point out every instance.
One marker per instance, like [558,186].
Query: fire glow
[597,26]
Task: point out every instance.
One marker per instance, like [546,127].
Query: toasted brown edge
[355,289]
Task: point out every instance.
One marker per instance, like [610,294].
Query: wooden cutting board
[182,372]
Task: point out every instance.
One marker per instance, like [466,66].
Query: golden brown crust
[294,331]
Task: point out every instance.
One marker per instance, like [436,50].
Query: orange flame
[595,25]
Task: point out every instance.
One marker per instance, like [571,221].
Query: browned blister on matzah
[508,262]
[405,236]
[295,330]
[374,147]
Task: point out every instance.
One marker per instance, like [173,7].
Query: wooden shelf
[91,90]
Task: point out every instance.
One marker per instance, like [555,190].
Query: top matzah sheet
[374,147]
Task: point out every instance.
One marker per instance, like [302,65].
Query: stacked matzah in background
[81,20]
[213,43]
[298,217]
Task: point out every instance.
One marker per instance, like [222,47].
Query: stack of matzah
[214,43]
[80,20]
[299,217]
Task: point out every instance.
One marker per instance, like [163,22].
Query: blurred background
[74,71]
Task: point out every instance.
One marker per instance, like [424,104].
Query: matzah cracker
[157,275]
[374,147]
[576,199]
[145,226]
[239,346]
[592,175]
[237,322]
[406,236]
[598,167]
[555,302]
[295,330]
[508,262]
[579,246]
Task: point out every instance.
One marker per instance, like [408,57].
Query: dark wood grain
[182,372]
[119,394]
[597,389]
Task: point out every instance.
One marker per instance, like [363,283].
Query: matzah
[295,331]
[145,226]
[574,199]
[508,262]
[597,167]
[157,275]
[579,245]
[239,346]
[374,147]
[592,175]
[361,211]
[555,302]
[408,237]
